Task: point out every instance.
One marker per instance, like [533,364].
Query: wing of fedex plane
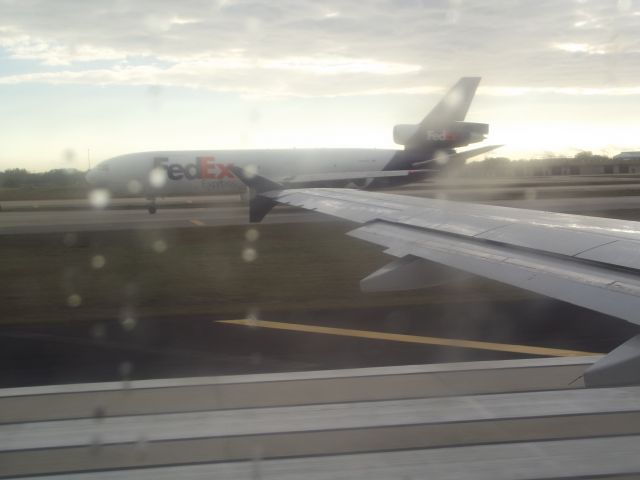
[587,261]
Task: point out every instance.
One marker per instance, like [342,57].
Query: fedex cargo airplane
[429,148]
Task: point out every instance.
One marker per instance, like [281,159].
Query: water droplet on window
[454,98]
[250,171]
[249,254]
[252,320]
[252,316]
[158,177]
[134,187]
[128,323]
[74,300]
[159,246]
[98,261]
[99,198]
[441,157]
[252,235]
[69,156]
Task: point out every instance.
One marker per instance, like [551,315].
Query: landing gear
[152,206]
[245,197]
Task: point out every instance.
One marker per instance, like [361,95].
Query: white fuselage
[205,172]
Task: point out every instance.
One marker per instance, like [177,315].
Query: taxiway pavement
[229,211]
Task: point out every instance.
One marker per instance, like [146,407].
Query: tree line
[60,177]
[493,166]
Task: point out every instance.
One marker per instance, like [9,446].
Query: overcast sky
[122,75]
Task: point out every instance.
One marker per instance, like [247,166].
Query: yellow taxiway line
[197,222]
[397,337]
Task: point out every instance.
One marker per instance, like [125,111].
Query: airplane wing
[337,176]
[587,261]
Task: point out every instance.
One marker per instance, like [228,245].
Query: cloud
[581,48]
[288,76]
[328,48]
[24,47]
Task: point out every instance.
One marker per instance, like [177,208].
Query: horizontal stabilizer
[460,157]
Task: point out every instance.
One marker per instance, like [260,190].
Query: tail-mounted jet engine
[453,135]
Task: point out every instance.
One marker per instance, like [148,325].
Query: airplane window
[258,239]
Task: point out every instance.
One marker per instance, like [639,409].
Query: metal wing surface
[588,261]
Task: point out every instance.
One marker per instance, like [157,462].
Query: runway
[307,393]
[469,387]
[130,219]
[429,332]
[228,211]
[188,345]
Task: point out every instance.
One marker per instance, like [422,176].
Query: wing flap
[554,240]
[588,285]
[623,253]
